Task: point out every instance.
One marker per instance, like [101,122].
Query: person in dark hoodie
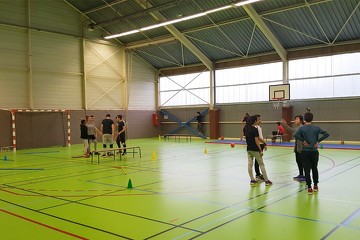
[309,136]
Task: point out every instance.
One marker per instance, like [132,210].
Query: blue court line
[291,144]
[42,152]
[26,169]
[344,223]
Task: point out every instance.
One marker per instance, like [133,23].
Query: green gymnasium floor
[192,190]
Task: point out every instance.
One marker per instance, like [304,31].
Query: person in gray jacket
[299,121]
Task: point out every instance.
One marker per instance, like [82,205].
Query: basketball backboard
[279,92]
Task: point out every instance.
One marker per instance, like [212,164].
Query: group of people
[307,138]
[88,132]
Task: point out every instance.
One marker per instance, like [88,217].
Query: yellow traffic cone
[205,151]
[153,157]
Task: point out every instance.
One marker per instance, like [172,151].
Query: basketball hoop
[276,102]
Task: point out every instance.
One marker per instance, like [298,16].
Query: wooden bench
[114,151]
[177,136]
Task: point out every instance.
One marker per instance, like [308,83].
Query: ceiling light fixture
[181,19]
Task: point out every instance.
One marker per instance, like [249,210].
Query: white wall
[142,86]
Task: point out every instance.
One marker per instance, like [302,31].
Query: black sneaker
[104,155]
[124,153]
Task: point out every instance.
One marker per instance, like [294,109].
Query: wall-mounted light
[181,19]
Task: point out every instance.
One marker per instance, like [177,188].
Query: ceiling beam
[146,11]
[200,55]
[266,31]
[167,38]
[148,43]
[186,42]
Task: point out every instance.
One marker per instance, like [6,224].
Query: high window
[325,77]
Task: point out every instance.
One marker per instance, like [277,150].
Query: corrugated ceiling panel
[228,15]
[180,10]
[193,23]
[168,53]
[215,38]
[84,5]
[295,23]
[153,61]
[240,33]
[300,20]
[332,25]
[103,15]
[290,39]
[159,56]
[352,29]
[212,52]
[259,43]
[264,6]
[126,8]
[143,21]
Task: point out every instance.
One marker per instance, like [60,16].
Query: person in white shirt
[258,175]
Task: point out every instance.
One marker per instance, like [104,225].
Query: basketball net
[276,103]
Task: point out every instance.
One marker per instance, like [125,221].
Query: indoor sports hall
[127,119]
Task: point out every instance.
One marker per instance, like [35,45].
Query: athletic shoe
[104,155]
[316,188]
[310,191]
[302,179]
[260,178]
[297,178]
[97,153]
[268,183]
[253,182]
[124,153]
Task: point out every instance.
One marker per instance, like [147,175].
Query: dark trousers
[256,165]
[200,127]
[310,161]
[299,163]
[121,140]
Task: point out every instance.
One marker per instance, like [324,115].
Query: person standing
[121,137]
[254,150]
[84,137]
[299,121]
[199,119]
[246,116]
[92,132]
[107,129]
[259,176]
[309,136]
